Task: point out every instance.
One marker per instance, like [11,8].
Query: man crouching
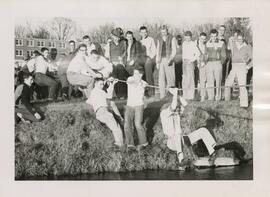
[99,99]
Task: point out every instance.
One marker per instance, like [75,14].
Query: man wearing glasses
[79,72]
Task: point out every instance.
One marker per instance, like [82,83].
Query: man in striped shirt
[216,56]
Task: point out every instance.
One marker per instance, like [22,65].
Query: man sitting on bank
[79,72]
[23,108]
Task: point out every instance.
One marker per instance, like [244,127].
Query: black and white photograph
[138,98]
[128,99]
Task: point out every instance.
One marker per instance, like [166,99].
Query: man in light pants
[201,134]
[99,100]
[166,50]
[241,62]
[190,55]
[216,56]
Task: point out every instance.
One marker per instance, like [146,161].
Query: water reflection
[243,172]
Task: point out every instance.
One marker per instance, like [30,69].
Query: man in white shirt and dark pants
[41,78]
[99,100]
[149,48]
[190,55]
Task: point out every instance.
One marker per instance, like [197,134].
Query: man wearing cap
[116,53]
[190,55]
[166,50]
[216,56]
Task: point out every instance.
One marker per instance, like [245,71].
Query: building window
[30,43]
[19,52]
[52,44]
[19,42]
[40,43]
[30,53]
[62,45]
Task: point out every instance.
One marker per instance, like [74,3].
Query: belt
[213,59]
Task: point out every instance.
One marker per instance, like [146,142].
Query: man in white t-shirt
[99,64]
[134,109]
[99,100]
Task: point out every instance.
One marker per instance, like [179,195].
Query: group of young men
[124,68]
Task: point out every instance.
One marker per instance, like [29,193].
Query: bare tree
[62,28]
[101,33]
[42,32]
[20,31]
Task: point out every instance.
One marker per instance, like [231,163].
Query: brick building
[24,47]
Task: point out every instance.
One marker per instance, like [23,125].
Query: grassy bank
[71,141]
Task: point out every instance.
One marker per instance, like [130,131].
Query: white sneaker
[180,157]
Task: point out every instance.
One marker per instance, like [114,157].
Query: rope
[179,89]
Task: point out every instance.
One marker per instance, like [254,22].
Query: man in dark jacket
[115,52]
[134,53]
[23,108]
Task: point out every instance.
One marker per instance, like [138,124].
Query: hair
[214,31]
[138,68]
[71,41]
[26,75]
[98,79]
[36,52]
[178,37]
[86,37]
[120,30]
[203,34]
[129,32]
[82,45]
[143,28]
[237,31]
[44,49]
[242,35]
[95,52]
[188,33]
[164,27]
[222,26]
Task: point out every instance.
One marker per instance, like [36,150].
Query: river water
[242,172]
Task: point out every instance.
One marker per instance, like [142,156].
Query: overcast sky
[124,22]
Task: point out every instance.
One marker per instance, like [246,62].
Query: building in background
[24,47]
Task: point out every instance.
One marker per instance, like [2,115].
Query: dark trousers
[27,115]
[149,67]
[44,80]
[119,72]
[178,73]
